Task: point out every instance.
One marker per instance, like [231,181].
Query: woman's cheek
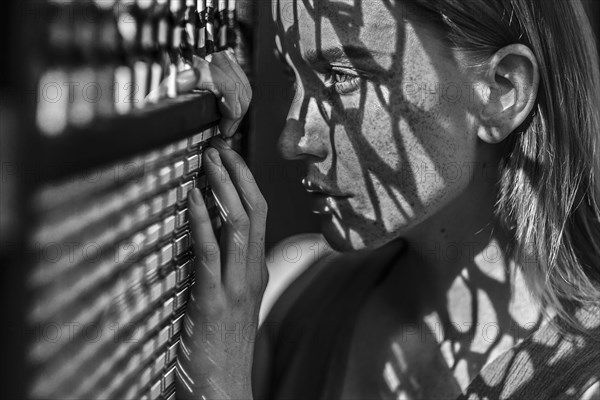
[401,151]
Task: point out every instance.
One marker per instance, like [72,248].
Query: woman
[452,151]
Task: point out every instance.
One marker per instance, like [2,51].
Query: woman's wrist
[214,361]
[213,382]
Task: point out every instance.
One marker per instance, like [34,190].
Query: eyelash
[342,83]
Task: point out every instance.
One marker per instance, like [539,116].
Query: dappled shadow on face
[348,21]
[385,88]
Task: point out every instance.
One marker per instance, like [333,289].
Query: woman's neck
[475,302]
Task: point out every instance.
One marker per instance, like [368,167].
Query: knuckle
[213,305]
[208,255]
[260,206]
[240,220]
[216,309]
[238,293]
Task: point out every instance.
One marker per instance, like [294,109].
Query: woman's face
[382,116]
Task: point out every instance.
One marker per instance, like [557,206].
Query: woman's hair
[550,173]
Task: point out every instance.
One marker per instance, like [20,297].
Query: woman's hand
[220,74]
[217,342]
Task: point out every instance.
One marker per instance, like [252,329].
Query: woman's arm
[217,342]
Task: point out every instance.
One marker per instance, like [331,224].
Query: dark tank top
[303,345]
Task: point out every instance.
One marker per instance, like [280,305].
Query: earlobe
[511,80]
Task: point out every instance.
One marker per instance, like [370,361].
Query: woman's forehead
[309,25]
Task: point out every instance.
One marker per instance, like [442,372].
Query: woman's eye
[343,83]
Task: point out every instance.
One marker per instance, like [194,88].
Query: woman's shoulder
[292,263]
[592,393]
[309,312]
[305,265]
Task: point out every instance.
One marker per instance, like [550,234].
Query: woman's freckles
[387,142]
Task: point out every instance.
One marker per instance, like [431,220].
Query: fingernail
[195,201]
[214,156]
[196,196]
[208,57]
[220,143]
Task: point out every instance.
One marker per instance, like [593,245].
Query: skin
[400,148]
[231,279]
[417,164]
[403,164]
[388,144]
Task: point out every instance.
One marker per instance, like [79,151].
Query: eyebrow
[343,54]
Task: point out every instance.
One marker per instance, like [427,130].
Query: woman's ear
[511,80]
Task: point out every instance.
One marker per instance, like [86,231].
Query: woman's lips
[324,199]
[319,188]
[324,204]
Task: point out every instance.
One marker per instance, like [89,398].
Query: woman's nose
[305,136]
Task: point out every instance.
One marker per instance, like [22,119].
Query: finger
[236,224]
[227,63]
[241,74]
[237,88]
[252,200]
[206,247]
[245,184]
[187,80]
[223,85]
